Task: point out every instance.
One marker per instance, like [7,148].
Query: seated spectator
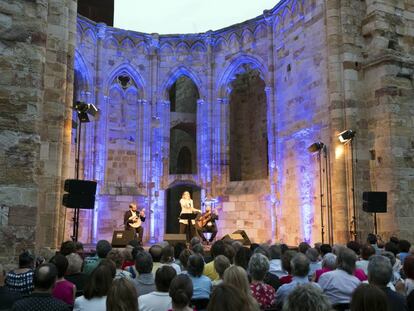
[236,246]
[178,248]
[404,248]
[380,274]
[198,249]
[218,248]
[167,258]
[275,261]
[242,257]
[221,263]
[79,249]
[300,272]
[144,282]
[128,259]
[269,278]
[226,297]
[132,269]
[96,289]
[185,254]
[102,249]
[41,299]
[21,279]
[393,248]
[194,241]
[116,256]
[7,297]
[63,289]
[201,284]
[74,274]
[155,251]
[303,247]
[315,264]
[396,276]
[355,246]
[67,247]
[339,284]
[408,268]
[366,252]
[306,297]
[328,264]
[373,241]
[263,293]
[237,277]
[368,297]
[122,296]
[325,249]
[160,299]
[286,258]
[181,292]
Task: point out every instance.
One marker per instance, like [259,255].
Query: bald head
[45,277]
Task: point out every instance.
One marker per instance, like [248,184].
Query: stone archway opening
[183,96]
[248,127]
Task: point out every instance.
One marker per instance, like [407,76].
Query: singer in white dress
[187,207]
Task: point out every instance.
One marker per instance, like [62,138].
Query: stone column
[203,146]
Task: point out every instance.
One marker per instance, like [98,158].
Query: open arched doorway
[173,196]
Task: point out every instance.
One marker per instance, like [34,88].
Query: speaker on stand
[374,202]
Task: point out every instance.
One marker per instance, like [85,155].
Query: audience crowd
[229,276]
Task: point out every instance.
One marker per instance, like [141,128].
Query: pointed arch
[142,48]
[240,63]
[174,74]
[234,42]
[111,42]
[260,31]
[129,70]
[247,36]
[89,36]
[82,73]
[220,44]
[182,48]
[198,47]
[166,48]
[127,43]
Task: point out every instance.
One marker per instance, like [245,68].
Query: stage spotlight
[346,136]
[84,110]
[316,146]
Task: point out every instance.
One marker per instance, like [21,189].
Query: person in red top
[263,293]
[286,258]
[328,264]
[63,290]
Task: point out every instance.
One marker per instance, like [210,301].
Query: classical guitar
[136,219]
[203,220]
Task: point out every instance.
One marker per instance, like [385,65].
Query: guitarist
[133,221]
[207,223]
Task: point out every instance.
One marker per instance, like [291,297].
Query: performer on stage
[187,207]
[133,221]
[207,223]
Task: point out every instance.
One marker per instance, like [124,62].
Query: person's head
[181,291]
[367,297]
[355,246]
[404,246]
[217,248]
[178,248]
[26,260]
[303,247]
[286,258]
[135,251]
[185,254]
[300,265]
[329,261]
[346,260]
[394,240]
[186,195]
[371,238]
[221,263]
[74,263]
[237,277]
[325,249]
[79,247]
[122,296]
[379,270]
[155,252]
[390,256]
[258,266]
[127,253]
[61,264]
[134,243]
[226,297]
[306,297]
[264,250]
[312,254]
[284,248]
[236,246]
[143,263]
[367,251]
[242,257]
[133,207]
[67,248]
[167,254]
[116,256]
[45,277]
[110,264]
[163,277]
[195,265]
[99,282]
[391,247]
[194,241]
[102,248]
[408,267]
[275,252]
[198,249]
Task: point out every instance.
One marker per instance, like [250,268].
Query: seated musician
[207,223]
[133,221]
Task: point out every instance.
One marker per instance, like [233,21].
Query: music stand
[188,217]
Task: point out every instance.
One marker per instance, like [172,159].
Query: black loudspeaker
[78,201]
[80,186]
[374,202]
[238,235]
[121,238]
[173,238]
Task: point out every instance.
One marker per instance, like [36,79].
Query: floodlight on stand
[346,136]
[316,146]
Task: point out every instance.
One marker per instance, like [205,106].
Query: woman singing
[187,207]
